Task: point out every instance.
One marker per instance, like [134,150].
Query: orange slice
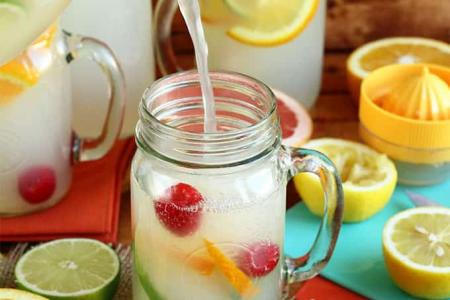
[403,50]
[238,280]
[22,72]
[201,264]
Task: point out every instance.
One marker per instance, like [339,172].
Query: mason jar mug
[208,209]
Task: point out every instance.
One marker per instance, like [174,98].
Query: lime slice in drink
[70,269]
[18,295]
[144,280]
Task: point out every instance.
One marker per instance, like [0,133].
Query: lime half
[70,269]
[12,294]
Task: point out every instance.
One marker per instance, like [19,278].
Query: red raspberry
[259,259]
[179,210]
[37,184]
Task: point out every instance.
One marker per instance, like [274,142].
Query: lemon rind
[241,33]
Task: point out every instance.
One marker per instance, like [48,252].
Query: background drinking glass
[125,25]
[37,143]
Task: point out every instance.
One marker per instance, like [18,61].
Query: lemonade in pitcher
[125,25]
[278,42]
[34,105]
[37,145]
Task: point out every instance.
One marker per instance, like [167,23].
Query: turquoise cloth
[357,262]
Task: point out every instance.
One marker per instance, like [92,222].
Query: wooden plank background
[351,23]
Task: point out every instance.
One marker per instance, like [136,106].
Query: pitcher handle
[165,56]
[302,268]
[95,50]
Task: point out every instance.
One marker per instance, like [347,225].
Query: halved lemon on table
[368,179]
[397,50]
[416,247]
[262,22]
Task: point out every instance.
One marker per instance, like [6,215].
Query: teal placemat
[357,262]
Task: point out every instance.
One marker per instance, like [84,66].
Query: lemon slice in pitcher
[368,179]
[261,22]
[270,23]
[416,247]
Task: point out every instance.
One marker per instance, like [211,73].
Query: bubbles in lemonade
[34,129]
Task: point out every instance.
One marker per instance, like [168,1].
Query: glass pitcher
[38,147]
[125,25]
[293,66]
[208,209]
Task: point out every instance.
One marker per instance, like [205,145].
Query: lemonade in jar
[208,208]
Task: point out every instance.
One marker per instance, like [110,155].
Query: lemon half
[368,179]
[416,247]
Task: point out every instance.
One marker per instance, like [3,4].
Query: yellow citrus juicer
[405,113]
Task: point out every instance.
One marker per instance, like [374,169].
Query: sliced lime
[144,280]
[70,269]
[12,294]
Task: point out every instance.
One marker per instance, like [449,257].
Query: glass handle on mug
[165,56]
[302,268]
[95,50]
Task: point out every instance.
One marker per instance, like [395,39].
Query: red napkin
[320,288]
[90,209]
